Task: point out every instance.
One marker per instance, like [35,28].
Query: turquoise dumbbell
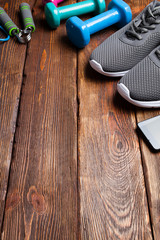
[79,32]
[54,15]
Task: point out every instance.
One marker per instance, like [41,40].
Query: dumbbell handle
[76,9]
[103,20]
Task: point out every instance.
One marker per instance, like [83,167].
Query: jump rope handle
[26,16]
[7,23]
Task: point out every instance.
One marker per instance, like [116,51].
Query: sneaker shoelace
[147,22]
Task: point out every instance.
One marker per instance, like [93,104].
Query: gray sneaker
[141,85]
[128,46]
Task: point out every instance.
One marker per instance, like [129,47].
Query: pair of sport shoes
[134,53]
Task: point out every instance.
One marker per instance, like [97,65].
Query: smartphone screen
[151,129]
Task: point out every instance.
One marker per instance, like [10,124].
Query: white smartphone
[151,130]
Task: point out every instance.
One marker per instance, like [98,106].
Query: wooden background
[72,165]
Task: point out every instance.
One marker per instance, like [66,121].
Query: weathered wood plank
[151,163]
[11,71]
[113,203]
[42,194]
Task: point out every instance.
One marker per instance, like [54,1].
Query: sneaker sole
[125,93]
[97,66]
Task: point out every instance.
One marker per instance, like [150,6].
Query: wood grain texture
[113,202]
[11,73]
[50,196]
[42,194]
[151,163]
[151,166]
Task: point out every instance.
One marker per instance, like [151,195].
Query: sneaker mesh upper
[143,81]
[115,55]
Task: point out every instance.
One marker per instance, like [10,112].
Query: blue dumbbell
[79,31]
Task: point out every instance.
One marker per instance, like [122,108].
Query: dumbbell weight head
[77,31]
[54,15]
[55,2]
[100,6]
[124,10]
